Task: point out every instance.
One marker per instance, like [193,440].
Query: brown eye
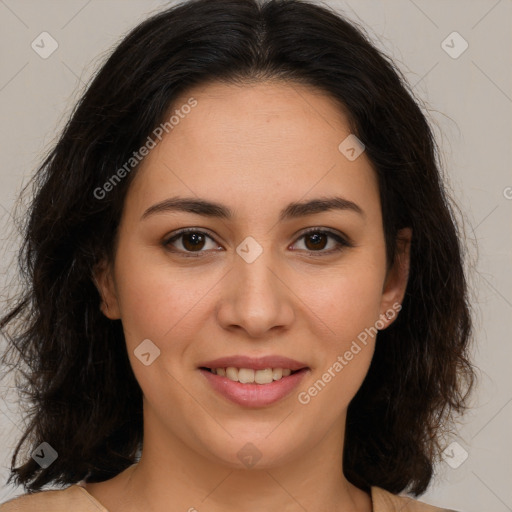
[317,241]
[189,241]
[193,241]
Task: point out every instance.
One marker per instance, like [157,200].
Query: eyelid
[334,233]
[177,234]
[341,239]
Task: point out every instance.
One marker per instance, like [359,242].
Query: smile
[252,376]
[246,392]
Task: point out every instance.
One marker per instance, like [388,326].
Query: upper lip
[255,363]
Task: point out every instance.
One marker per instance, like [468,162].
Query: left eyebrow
[217,210]
[320,205]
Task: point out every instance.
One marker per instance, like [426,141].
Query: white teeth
[251,376]
[277,373]
[245,375]
[263,376]
[232,373]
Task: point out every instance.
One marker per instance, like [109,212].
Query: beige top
[76,499]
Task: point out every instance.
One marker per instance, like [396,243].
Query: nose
[256,298]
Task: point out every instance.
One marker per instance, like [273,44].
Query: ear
[104,281]
[396,279]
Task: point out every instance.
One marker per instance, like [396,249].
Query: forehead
[267,140]
[279,116]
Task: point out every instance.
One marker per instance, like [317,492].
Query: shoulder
[72,498]
[384,501]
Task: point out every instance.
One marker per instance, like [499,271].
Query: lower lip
[254,395]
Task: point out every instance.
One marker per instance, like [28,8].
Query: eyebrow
[217,210]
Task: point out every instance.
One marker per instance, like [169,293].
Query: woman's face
[249,282]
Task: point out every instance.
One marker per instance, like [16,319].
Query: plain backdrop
[467,96]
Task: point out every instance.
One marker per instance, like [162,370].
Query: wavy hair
[72,361]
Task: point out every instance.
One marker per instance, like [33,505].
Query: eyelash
[342,242]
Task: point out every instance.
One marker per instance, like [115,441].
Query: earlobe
[103,279]
[396,279]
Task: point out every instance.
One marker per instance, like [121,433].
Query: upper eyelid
[329,231]
[185,231]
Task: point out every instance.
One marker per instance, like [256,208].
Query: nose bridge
[258,300]
[255,268]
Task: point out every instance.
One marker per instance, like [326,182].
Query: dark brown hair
[85,400]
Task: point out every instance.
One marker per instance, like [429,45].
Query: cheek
[145,292]
[161,305]
[346,311]
[159,300]
[347,301]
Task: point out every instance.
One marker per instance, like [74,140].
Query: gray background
[467,99]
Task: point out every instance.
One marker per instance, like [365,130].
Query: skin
[255,149]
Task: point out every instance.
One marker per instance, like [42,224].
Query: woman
[245,284]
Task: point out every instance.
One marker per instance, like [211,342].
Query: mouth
[253,381]
[253,387]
